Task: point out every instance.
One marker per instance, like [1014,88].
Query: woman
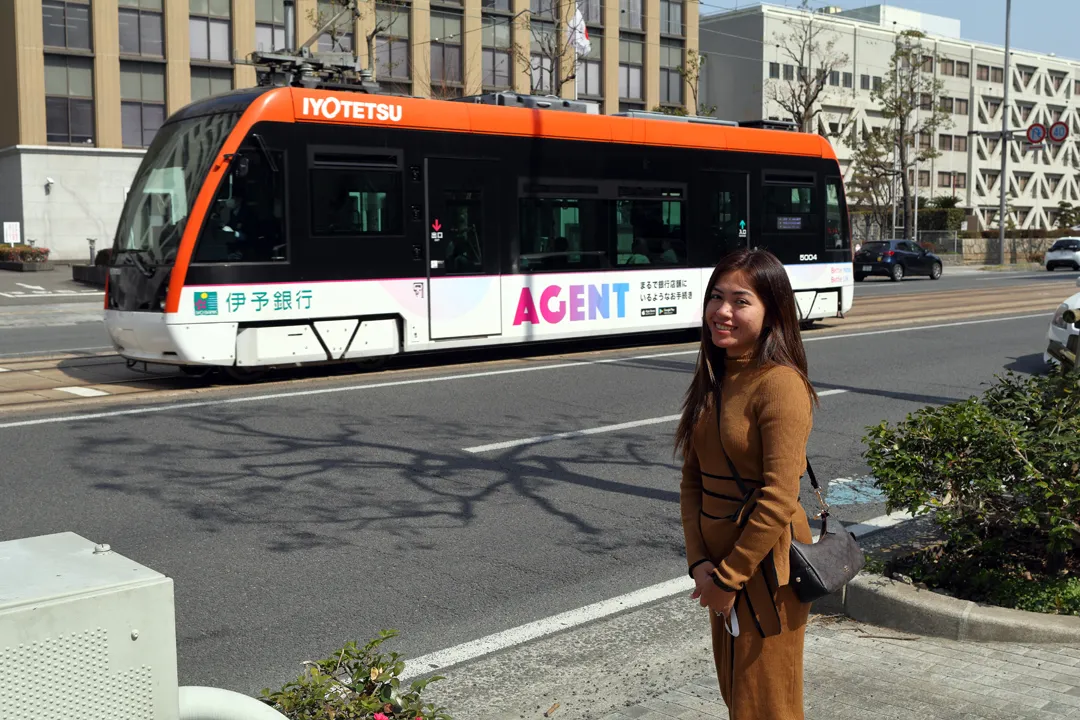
[740,483]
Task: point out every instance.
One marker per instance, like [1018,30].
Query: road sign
[11,233]
[1036,133]
[1059,131]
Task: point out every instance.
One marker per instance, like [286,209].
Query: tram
[284,225]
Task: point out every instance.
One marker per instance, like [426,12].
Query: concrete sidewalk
[856,671]
[656,662]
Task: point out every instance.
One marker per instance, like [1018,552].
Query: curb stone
[878,600]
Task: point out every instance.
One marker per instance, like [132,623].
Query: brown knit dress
[765,420]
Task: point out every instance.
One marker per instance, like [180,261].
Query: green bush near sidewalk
[355,683]
[1001,474]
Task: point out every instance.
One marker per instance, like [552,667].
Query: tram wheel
[370,364]
[245,374]
[196,371]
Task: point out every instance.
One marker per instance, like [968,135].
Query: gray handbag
[821,568]
[817,569]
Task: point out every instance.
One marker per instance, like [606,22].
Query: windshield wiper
[265,152]
[134,255]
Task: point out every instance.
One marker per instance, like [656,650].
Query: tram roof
[295,105]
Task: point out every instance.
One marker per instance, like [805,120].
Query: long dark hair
[779,343]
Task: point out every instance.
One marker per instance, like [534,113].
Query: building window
[945,142]
[630,15]
[834,78]
[209,81]
[948,67]
[960,181]
[960,143]
[211,31]
[590,68]
[343,28]
[542,8]
[944,179]
[924,178]
[65,24]
[960,106]
[849,80]
[142,28]
[592,11]
[69,100]
[543,63]
[445,49]
[926,101]
[392,44]
[928,64]
[774,70]
[500,5]
[946,104]
[671,80]
[982,72]
[631,54]
[142,102]
[997,75]
[963,69]
[671,17]
[269,25]
[496,51]
[789,72]
[864,82]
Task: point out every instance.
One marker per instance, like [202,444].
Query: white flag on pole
[579,34]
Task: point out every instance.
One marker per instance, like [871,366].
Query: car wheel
[1076,267]
[860,278]
[935,272]
[1049,268]
[897,273]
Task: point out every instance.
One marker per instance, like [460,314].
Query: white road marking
[31,287]
[52,293]
[443,659]
[83,391]
[592,431]
[4,370]
[45,353]
[446,378]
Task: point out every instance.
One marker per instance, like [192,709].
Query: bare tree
[873,178]
[550,60]
[690,71]
[908,98]
[811,49]
[336,19]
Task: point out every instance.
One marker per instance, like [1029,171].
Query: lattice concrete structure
[743,58]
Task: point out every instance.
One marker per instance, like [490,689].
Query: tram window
[355,202]
[789,209]
[836,230]
[246,223]
[650,231]
[562,235]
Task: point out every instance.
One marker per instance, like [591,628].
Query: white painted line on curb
[4,370]
[592,431]
[82,391]
[46,353]
[446,378]
[442,659]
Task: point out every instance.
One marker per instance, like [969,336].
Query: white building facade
[743,58]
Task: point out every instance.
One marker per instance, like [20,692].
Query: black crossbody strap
[731,465]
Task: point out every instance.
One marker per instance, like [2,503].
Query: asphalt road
[301,518]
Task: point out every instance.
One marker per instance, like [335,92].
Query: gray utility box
[84,633]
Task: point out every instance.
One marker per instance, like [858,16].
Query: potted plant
[24,258]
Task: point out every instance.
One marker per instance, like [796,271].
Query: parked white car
[1060,332]
[1063,253]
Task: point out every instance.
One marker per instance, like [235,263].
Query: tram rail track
[56,380]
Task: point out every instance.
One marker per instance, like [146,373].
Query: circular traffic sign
[1036,133]
[1059,131]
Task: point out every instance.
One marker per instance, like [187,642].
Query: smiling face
[734,314]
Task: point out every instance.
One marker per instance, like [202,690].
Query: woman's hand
[708,594]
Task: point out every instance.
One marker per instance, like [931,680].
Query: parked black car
[896,259]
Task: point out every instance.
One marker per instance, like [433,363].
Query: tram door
[464,285]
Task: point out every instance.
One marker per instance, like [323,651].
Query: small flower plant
[23,253]
[355,683]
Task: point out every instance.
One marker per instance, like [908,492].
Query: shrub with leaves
[1001,473]
[355,683]
[23,253]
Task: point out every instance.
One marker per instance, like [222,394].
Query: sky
[1046,26]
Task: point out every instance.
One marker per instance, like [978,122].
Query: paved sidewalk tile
[856,671]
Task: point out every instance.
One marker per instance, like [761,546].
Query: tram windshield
[164,189]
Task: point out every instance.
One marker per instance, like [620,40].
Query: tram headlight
[1059,317]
